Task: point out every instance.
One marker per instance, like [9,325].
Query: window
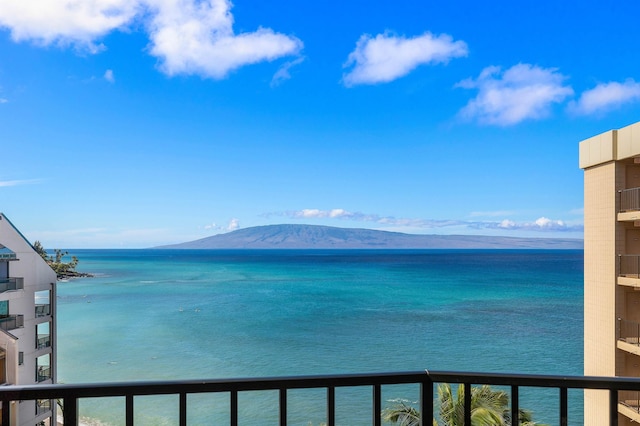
[20,358]
[4,309]
[43,303]
[43,336]
[43,368]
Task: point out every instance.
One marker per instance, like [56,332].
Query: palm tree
[403,414]
[488,407]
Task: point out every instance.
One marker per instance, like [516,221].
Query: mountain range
[293,236]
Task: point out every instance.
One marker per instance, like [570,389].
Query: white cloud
[386,57]
[283,72]
[520,93]
[66,22]
[540,224]
[606,96]
[507,224]
[5,183]
[197,38]
[108,75]
[3,101]
[233,224]
[187,36]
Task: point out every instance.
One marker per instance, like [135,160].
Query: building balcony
[43,341]
[43,373]
[43,310]
[629,336]
[629,267]
[11,284]
[43,406]
[629,202]
[629,405]
[11,322]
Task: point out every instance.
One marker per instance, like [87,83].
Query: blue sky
[134,123]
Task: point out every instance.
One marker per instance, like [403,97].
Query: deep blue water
[175,314]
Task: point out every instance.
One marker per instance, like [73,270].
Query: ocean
[205,314]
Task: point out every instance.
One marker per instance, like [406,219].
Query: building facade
[611,164]
[27,324]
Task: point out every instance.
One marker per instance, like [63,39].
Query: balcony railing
[629,331]
[12,322]
[71,394]
[9,284]
[629,265]
[629,200]
[42,310]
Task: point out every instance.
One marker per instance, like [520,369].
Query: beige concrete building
[611,163]
[27,325]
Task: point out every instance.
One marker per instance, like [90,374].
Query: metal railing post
[619,200]
[331,406]
[6,411]
[70,412]
[233,408]
[128,409]
[613,407]
[283,406]
[467,404]
[564,407]
[183,409]
[619,265]
[515,406]
[426,401]
[377,405]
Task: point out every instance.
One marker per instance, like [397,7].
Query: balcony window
[43,368]
[43,303]
[43,336]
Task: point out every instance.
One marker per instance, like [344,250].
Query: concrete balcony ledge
[629,412]
[627,346]
[629,281]
[631,216]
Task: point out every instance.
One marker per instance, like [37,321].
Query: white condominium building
[27,324]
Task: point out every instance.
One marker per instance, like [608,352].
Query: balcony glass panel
[10,284]
[11,322]
[43,336]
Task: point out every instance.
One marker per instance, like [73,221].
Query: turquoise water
[165,314]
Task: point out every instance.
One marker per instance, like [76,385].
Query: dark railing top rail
[71,393]
[87,390]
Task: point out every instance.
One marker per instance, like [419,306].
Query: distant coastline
[293,236]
